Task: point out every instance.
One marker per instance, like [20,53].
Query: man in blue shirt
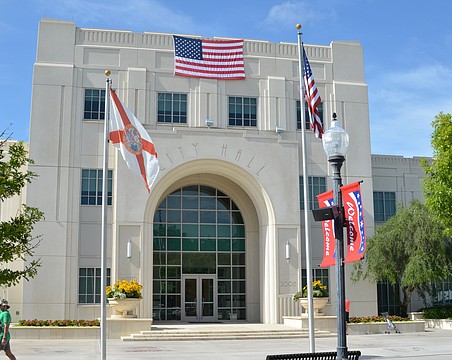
[5,321]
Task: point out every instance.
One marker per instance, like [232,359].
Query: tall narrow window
[92,187]
[442,292]
[242,111]
[306,115]
[388,298]
[94,108]
[384,205]
[172,108]
[89,280]
[316,186]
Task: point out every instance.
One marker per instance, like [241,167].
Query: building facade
[209,241]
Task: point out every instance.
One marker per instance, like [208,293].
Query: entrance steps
[192,332]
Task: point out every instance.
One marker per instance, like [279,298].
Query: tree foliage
[409,250]
[16,240]
[437,185]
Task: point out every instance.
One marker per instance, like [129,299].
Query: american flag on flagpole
[211,59]
[312,98]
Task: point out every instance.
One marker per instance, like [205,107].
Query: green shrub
[368,319]
[60,323]
[438,312]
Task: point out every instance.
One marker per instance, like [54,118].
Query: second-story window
[242,111]
[316,186]
[172,108]
[94,106]
[306,115]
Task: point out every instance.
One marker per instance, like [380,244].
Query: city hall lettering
[237,156]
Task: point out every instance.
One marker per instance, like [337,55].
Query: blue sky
[407,49]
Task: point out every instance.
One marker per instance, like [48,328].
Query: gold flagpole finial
[298,26]
[107,73]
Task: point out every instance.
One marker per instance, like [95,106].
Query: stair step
[206,332]
[218,335]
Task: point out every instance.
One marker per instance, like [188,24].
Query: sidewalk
[433,344]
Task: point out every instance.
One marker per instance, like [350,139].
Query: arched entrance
[258,215]
[199,257]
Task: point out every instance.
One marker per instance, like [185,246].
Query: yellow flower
[122,289]
[318,290]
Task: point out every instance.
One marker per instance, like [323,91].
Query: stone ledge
[442,324]
[321,323]
[116,328]
[329,323]
[382,327]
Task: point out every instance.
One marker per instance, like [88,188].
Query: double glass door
[199,295]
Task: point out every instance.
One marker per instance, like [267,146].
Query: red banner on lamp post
[329,253]
[354,220]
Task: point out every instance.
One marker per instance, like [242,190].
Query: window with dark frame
[172,108]
[91,188]
[442,292]
[384,205]
[316,186]
[242,111]
[94,105]
[306,115]
[388,299]
[89,284]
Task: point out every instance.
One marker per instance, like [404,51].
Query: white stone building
[211,235]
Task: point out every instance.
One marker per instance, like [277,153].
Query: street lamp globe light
[335,144]
[335,140]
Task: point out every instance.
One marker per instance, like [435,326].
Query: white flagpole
[103,281]
[306,198]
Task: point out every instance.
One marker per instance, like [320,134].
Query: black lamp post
[335,144]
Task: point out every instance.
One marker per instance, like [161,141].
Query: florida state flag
[134,142]
[354,220]
[329,253]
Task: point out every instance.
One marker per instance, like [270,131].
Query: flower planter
[318,302]
[122,307]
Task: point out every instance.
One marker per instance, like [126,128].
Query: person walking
[347,314]
[347,310]
[5,321]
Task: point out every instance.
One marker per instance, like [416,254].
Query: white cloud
[293,12]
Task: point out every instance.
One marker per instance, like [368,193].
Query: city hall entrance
[199,298]
[199,269]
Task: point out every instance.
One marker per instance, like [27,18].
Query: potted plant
[124,296]
[319,294]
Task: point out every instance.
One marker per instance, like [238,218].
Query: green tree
[16,240]
[437,187]
[409,250]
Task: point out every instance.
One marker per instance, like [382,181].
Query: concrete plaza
[432,344]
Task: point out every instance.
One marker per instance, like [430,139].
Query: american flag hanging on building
[211,59]
[312,98]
